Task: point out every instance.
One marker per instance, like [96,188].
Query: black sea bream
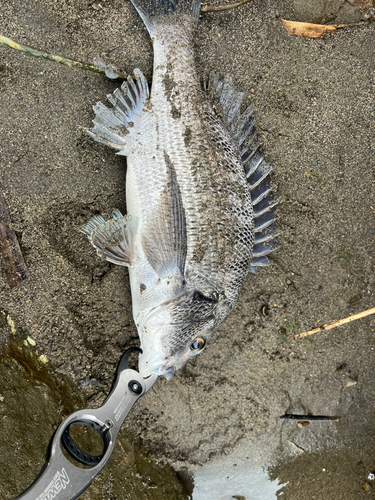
[199,212]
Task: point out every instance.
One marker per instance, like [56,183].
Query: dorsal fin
[227,101]
[112,125]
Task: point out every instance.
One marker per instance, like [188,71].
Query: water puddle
[217,483]
[323,460]
[262,469]
[34,399]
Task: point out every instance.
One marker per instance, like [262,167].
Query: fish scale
[201,225]
[199,209]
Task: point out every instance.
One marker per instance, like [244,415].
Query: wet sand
[314,104]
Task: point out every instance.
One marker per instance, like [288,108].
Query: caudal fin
[149,10]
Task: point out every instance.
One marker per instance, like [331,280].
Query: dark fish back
[227,101]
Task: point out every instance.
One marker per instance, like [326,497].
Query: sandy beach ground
[314,103]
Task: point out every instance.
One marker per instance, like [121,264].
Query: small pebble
[301,425]
[43,359]
[367,487]
[31,341]
[351,383]
[249,326]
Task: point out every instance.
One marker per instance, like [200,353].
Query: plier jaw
[60,478]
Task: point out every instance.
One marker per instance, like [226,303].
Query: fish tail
[150,10]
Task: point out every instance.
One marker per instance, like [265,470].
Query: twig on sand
[295,446]
[12,262]
[219,8]
[333,324]
[71,63]
[98,68]
[308,418]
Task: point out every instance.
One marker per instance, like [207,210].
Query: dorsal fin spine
[262,196]
[263,239]
[263,226]
[261,179]
[242,127]
[265,210]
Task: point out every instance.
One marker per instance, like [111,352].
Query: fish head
[175,331]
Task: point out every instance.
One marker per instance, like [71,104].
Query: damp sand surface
[314,104]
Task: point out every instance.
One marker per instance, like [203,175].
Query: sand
[314,104]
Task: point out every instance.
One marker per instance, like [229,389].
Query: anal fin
[113,239]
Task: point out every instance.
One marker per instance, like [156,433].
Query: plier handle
[60,478]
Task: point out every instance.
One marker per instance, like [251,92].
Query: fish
[200,209]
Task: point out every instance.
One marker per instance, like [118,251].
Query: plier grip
[60,478]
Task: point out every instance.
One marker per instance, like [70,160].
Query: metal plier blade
[60,478]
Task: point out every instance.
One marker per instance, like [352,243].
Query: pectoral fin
[113,239]
[164,238]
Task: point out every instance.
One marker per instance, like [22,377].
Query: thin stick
[31,51]
[71,63]
[13,265]
[219,8]
[308,418]
[333,324]
[298,447]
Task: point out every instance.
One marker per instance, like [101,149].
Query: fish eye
[198,344]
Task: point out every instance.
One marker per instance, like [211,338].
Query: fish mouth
[164,368]
[168,373]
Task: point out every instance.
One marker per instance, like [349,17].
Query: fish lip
[163,367]
[166,368]
[168,373]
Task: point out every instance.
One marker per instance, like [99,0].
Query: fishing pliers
[60,478]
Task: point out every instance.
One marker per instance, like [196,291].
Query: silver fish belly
[199,211]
